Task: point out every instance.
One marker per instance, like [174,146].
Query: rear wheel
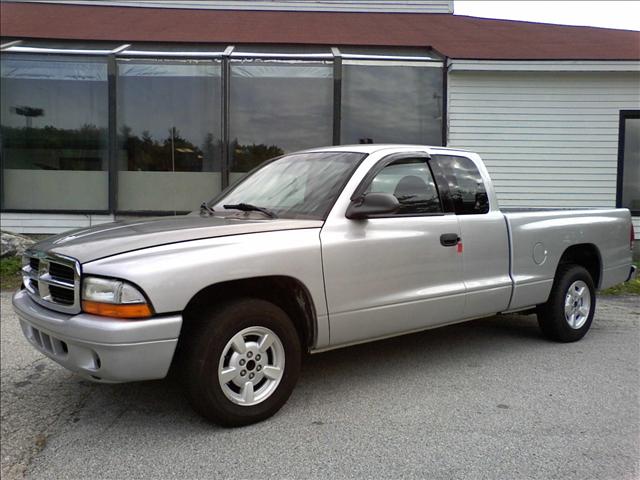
[567,315]
[242,362]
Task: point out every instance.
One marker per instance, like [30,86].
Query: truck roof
[375,147]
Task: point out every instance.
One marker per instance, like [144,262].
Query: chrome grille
[61,272]
[34,263]
[52,280]
[61,295]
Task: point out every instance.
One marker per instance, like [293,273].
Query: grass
[629,288]
[10,278]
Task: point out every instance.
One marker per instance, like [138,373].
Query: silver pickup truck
[312,251]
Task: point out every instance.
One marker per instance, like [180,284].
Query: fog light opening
[97,363]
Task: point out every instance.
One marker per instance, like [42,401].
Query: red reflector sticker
[459,247]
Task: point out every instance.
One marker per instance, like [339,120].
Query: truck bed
[538,237]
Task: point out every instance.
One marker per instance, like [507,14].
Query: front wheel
[567,315]
[243,362]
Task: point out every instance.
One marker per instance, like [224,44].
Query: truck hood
[93,243]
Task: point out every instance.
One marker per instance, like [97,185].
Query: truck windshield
[301,185]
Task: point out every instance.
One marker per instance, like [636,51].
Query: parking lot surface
[485,399]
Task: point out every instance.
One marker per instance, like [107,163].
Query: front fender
[171,275]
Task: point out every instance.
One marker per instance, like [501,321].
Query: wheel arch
[286,292]
[586,255]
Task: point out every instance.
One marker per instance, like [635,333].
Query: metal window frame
[445,102]
[337,95]
[358,57]
[127,51]
[12,43]
[624,115]
[281,56]
[225,113]
[16,47]
[112,88]
[163,54]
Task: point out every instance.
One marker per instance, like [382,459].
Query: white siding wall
[549,139]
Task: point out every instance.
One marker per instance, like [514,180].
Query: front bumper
[99,348]
[632,273]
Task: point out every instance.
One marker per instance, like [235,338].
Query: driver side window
[412,184]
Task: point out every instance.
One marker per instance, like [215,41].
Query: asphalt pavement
[486,399]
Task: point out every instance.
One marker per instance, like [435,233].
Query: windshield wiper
[247,207]
[205,208]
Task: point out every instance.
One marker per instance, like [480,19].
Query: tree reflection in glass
[54,116]
[278,107]
[385,103]
[169,131]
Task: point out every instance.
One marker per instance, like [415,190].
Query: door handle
[449,239]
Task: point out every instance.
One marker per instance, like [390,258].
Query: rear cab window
[461,186]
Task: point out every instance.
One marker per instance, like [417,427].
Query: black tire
[207,342]
[551,315]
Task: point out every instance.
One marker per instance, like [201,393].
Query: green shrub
[10,272]
[629,288]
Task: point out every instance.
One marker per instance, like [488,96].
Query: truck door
[394,273]
[483,233]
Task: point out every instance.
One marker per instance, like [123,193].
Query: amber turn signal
[136,310]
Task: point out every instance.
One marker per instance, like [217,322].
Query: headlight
[113,298]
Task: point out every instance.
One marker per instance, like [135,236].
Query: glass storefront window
[391,102]
[54,132]
[630,151]
[277,107]
[167,105]
[169,134]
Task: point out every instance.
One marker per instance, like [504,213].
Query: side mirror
[372,204]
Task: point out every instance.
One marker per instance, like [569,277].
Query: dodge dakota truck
[311,251]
